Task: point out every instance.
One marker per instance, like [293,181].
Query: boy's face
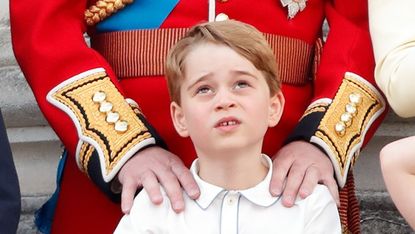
[225,100]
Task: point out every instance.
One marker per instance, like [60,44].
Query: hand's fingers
[309,182]
[334,189]
[173,190]
[186,180]
[294,180]
[127,195]
[279,174]
[152,187]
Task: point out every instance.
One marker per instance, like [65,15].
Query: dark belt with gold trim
[143,52]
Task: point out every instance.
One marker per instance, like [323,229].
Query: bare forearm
[398,168]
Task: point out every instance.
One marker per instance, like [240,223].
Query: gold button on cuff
[121,126]
[346,118]
[221,17]
[223,1]
[105,107]
[350,108]
[355,98]
[99,97]
[340,128]
[112,117]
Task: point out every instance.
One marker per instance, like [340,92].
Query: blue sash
[141,14]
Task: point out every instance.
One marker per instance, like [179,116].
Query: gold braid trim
[85,154]
[102,9]
[103,119]
[315,107]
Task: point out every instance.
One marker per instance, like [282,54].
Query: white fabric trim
[212,10]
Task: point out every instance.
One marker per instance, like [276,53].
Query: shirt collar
[208,192]
[259,194]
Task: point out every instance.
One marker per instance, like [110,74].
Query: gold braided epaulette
[102,9]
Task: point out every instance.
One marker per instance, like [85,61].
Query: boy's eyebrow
[206,76]
[241,72]
[200,79]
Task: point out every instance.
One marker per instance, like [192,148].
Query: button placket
[229,222]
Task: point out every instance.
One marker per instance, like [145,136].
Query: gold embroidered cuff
[104,120]
[342,129]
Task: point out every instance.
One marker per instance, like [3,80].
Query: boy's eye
[241,84]
[203,90]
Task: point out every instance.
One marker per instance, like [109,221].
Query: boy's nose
[225,101]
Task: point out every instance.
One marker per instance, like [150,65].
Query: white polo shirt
[250,211]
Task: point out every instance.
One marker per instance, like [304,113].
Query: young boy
[225,94]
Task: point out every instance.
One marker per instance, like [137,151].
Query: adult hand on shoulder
[151,168]
[298,167]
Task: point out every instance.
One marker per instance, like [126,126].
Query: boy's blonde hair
[242,38]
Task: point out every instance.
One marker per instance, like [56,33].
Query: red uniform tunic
[49,46]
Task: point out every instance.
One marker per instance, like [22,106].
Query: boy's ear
[275,108]
[179,120]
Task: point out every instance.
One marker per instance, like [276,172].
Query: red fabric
[48,42]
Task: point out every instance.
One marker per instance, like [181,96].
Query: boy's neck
[233,170]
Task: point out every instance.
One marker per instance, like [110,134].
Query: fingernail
[275,192]
[287,201]
[157,199]
[194,193]
[125,211]
[178,206]
[304,194]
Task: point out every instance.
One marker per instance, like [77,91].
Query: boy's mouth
[228,121]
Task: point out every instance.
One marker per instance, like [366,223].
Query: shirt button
[223,1]
[221,17]
[232,198]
